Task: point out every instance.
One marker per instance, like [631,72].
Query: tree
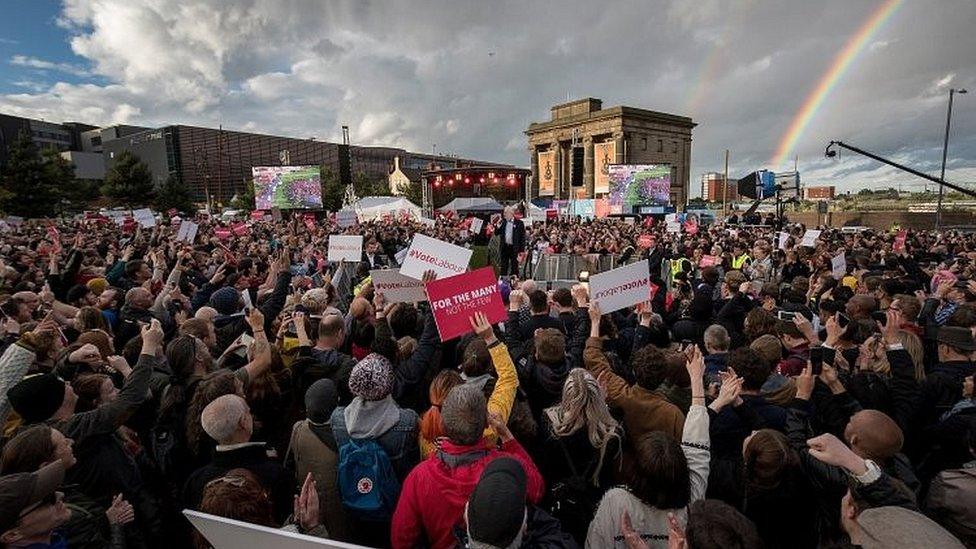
[244,200]
[412,192]
[75,193]
[174,194]
[129,180]
[332,191]
[364,186]
[30,188]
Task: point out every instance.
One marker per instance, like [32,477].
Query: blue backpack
[368,486]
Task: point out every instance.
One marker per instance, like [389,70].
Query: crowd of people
[765,395]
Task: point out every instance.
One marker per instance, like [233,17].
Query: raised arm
[596,361]
[261,353]
[694,438]
[503,395]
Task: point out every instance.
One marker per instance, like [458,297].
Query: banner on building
[604,154]
[547,173]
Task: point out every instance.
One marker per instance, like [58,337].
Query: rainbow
[839,66]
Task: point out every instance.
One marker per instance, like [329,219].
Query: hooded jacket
[434,494]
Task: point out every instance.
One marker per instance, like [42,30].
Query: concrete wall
[883,220]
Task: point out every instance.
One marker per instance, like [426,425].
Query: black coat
[518,233]
[253,457]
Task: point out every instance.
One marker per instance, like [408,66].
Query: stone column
[532,184]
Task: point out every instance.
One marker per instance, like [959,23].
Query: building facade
[820,193]
[615,135]
[712,190]
[45,135]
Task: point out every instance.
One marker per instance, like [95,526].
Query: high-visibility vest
[677,266]
[739,262]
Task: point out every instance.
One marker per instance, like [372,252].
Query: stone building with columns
[615,135]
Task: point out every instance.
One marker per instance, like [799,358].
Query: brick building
[712,191]
[820,193]
[614,135]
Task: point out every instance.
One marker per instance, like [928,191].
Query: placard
[400,256]
[191,231]
[430,254]
[645,241]
[810,238]
[673,227]
[783,237]
[476,224]
[708,261]
[345,247]
[899,245]
[225,533]
[222,233]
[346,218]
[397,288]
[622,287]
[838,265]
[427,222]
[454,300]
[144,217]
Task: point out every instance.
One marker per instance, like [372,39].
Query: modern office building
[218,162]
[615,135]
[46,135]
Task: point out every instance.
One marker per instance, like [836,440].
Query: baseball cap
[496,508]
[21,491]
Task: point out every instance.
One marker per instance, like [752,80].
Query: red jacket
[433,495]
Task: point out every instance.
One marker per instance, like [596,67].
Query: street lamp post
[945,152]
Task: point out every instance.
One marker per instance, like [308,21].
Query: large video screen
[639,185]
[287,187]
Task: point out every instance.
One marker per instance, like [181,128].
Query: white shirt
[509,228]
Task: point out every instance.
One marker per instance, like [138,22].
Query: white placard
[621,287]
[476,225]
[674,227]
[838,266]
[347,247]
[463,234]
[427,222]
[629,221]
[225,533]
[346,218]
[430,254]
[783,237]
[810,238]
[397,288]
[400,256]
[191,231]
[181,232]
[144,217]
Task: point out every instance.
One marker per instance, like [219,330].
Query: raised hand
[306,509]
[832,451]
[120,512]
[805,382]
[499,427]
[482,328]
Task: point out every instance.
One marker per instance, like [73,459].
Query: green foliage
[412,192]
[244,200]
[30,186]
[364,186]
[174,194]
[332,191]
[129,181]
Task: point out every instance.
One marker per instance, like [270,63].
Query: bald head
[331,330]
[360,308]
[528,286]
[227,420]
[874,435]
[206,313]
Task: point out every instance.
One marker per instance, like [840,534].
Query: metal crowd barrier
[569,266]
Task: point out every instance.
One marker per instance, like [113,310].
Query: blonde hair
[583,405]
[877,361]
[913,345]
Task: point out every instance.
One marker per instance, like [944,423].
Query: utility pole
[945,152]
[725,187]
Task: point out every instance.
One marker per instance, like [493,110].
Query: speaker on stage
[345,166]
[576,178]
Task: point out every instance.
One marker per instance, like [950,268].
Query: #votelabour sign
[621,287]
[397,288]
[348,247]
[453,301]
[430,254]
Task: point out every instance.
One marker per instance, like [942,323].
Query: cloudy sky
[469,76]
